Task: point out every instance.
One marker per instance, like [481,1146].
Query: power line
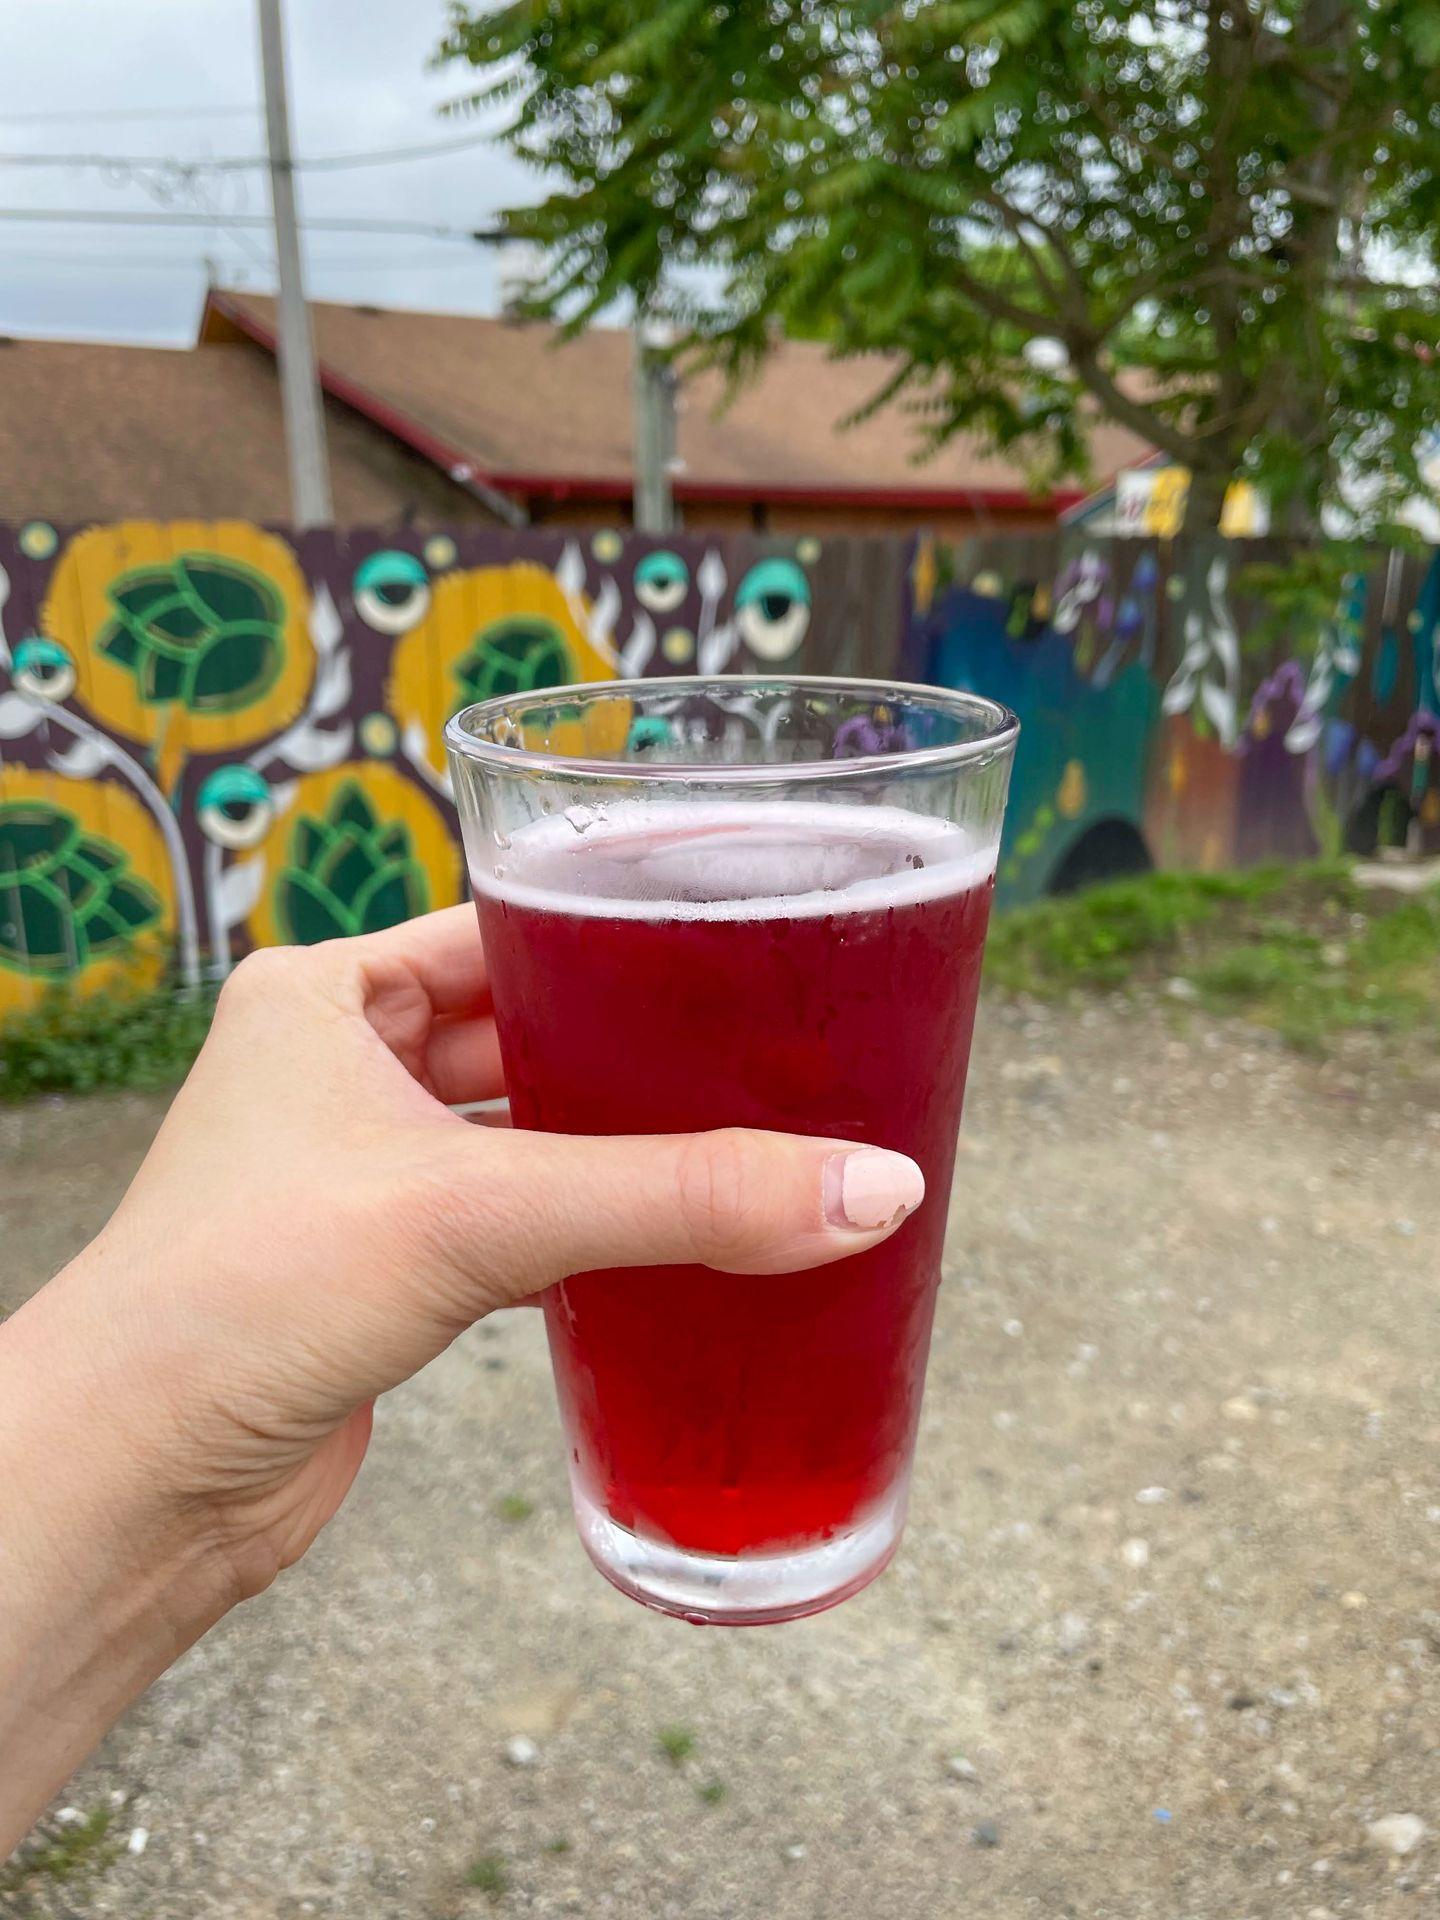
[424,229]
[52,114]
[318,163]
[327,262]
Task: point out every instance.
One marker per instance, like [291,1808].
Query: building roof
[113,432]
[532,413]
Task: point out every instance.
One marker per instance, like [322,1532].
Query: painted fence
[216,735]
[1173,716]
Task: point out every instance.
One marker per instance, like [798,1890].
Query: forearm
[99,1588]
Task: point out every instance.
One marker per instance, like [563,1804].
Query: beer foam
[732,860]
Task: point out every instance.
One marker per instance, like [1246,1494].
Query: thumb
[738,1200]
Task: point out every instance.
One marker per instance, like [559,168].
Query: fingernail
[869,1188]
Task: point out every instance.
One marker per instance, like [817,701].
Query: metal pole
[300,398]
[654,504]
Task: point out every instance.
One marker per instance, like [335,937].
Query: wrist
[105,1582]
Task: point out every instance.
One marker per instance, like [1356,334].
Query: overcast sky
[176,69]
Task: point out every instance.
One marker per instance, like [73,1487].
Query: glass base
[749,1590]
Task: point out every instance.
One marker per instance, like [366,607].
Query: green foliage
[61,1853]
[676,1743]
[1203,207]
[514,1507]
[79,1043]
[66,897]
[1302,950]
[204,632]
[712,1792]
[489,1875]
[1094,938]
[348,873]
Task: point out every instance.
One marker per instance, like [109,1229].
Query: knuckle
[722,1187]
[260,976]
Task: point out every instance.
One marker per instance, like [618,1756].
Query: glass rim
[1000,731]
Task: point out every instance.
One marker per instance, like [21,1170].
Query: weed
[712,1793]
[63,1853]
[559,1845]
[514,1507]
[676,1743]
[488,1875]
[70,1042]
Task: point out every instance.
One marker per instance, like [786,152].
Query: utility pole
[299,383]
[654,502]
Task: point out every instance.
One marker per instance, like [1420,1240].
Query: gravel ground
[1162,1641]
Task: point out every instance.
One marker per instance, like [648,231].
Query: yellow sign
[1152,500]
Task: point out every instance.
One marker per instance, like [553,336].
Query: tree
[1213,224]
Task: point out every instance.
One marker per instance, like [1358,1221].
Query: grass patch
[122,1037]
[63,1852]
[1300,949]
[712,1793]
[558,1845]
[676,1743]
[1096,938]
[514,1507]
[488,1875]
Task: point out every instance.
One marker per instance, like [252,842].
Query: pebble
[1397,1833]
[986,1834]
[959,1768]
[1136,1553]
[138,1841]
[1353,1602]
[521,1751]
[797,1852]
[1152,1496]
[69,1817]
[1240,1407]
[1072,1632]
[1181,989]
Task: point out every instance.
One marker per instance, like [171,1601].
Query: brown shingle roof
[527,408]
[101,432]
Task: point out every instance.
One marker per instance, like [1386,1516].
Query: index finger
[441,952]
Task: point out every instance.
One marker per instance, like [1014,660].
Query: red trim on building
[461,466]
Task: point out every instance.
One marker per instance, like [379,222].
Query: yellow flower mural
[487,631]
[85,886]
[189,637]
[358,848]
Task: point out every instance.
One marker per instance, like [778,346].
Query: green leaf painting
[202,632]
[350,872]
[66,897]
[513,656]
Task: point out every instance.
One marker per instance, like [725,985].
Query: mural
[216,735]
[1172,717]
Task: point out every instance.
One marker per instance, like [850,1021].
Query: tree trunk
[1203,503]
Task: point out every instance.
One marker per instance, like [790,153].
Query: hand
[310,1227]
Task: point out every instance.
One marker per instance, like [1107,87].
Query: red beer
[806,967]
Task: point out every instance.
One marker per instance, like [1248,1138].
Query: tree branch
[1132,413]
[1014,224]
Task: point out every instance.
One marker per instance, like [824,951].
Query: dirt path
[1168,1586]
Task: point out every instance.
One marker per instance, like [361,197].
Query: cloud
[359,78]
